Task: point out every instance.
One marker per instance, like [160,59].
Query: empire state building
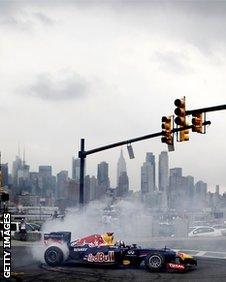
[121,166]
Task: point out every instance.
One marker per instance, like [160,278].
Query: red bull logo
[101,257]
[92,240]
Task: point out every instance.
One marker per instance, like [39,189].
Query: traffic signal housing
[184,135]
[197,121]
[167,127]
[180,119]
[180,112]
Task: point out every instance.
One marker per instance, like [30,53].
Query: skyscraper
[150,158]
[93,188]
[5,174]
[36,183]
[47,181]
[163,171]
[102,179]
[17,164]
[76,169]
[201,191]
[62,184]
[175,187]
[123,185]
[121,166]
[148,174]
[23,178]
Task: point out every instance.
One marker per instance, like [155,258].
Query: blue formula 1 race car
[99,250]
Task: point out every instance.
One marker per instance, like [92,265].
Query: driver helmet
[108,238]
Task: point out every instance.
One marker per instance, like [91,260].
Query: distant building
[86,189]
[17,165]
[163,171]
[121,166]
[122,177]
[23,179]
[150,158]
[45,170]
[190,188]
[148,174]
[47,183]
[5,174]
[122,189]
[176,184]
[217,191]
[102,179]
[28,200]
[62,184]
[73,193]
[35,183]
[181,191]
[76,169]
[176,172]
[201,193]
[93,188]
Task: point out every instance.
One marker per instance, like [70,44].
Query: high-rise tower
[121,166]
[102,179]
[76,169]
[148,174]
[163,171]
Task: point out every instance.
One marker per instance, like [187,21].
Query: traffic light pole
[82,156]
[205,110]
[82,153]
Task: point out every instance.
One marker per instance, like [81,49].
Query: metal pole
[149,136]
[82,156]
[206,110]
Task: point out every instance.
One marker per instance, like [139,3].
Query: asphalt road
[26,269]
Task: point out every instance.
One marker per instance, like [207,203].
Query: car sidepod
[95,255]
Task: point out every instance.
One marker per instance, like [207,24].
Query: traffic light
[197,120]
[180,112]
[167,126]
[180,119]
[184,135]
[5,197]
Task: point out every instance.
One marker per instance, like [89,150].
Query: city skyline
[56,88]
[158,170]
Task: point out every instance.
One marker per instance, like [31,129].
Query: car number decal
[101,257]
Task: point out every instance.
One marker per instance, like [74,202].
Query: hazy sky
[108,71]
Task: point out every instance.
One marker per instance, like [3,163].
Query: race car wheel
[154,262]
[54,256]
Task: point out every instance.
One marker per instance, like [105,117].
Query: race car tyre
[54,256]
[154,262]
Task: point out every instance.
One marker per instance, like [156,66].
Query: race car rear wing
[57,237]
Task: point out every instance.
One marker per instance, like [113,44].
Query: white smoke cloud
[128,220]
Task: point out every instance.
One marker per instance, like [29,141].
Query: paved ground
[25,268]
[213,270]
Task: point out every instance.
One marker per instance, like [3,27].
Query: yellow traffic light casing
[180,119]
[167,126]
[197,121]
[180,111]
[184,135]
